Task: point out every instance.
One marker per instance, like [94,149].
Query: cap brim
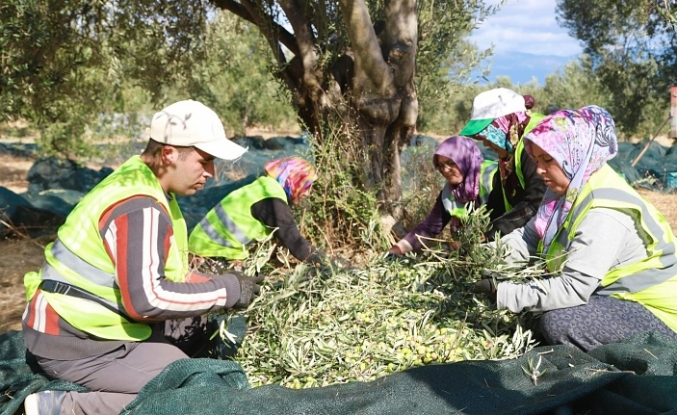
[222,149]
[475,126]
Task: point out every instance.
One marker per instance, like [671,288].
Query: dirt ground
[21,255]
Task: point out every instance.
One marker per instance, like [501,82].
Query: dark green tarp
[636,376]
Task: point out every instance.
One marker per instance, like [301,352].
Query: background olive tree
[72,68]
[633,50]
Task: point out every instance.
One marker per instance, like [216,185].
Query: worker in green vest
[115,301]
[500,118]
[468,183]
[254,212]
[611,254]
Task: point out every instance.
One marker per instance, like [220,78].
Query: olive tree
[352,65]
[632,45]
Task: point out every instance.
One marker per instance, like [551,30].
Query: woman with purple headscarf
[469,180]
[611,254]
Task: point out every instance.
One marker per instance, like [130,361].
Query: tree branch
[308,57]
[270,29]
[305,40]
[275,34]
[368,56]
[402,37]
[235,8]
[319,13]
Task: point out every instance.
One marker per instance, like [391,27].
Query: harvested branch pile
[314,327]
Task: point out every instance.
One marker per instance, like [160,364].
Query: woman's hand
[396,250]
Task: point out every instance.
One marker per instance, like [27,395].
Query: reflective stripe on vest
[227,229]
[75,264]
[456,209]
[518,170]
[660,249]
[489,169]
[58,287]
[229,224]
[519,149]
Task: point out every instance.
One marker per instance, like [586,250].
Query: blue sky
[527,40]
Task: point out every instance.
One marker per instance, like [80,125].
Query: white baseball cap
[492,104]
[191,123]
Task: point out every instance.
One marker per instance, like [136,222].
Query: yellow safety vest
[229,227]
[519,149]
[459,210]
[78,257]
[651,282]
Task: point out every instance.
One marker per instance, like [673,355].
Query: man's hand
[249,289]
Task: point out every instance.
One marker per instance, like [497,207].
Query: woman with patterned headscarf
[251,213]
[611,254]
[468,183]
[500,118]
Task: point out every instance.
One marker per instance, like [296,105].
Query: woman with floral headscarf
[255,211]
[611,254]
[468,183]
[500,118]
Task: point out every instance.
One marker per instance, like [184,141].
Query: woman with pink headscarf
[611,254]
[468,183]
[253,212]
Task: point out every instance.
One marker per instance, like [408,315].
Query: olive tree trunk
[367,81]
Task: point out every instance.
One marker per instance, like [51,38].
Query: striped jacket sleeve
[137,234]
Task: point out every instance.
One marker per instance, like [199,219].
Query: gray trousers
[117,377]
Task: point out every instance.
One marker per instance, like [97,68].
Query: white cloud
[527,26]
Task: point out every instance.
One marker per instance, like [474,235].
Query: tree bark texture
[365,81]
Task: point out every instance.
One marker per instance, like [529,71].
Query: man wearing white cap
[500,118]
[115,301]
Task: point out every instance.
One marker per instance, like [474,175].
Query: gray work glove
[486,286]
[249,289]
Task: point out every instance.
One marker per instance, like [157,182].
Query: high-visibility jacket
[519,150]
[229,227]
[457,209]
[79,258]
[651,282]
